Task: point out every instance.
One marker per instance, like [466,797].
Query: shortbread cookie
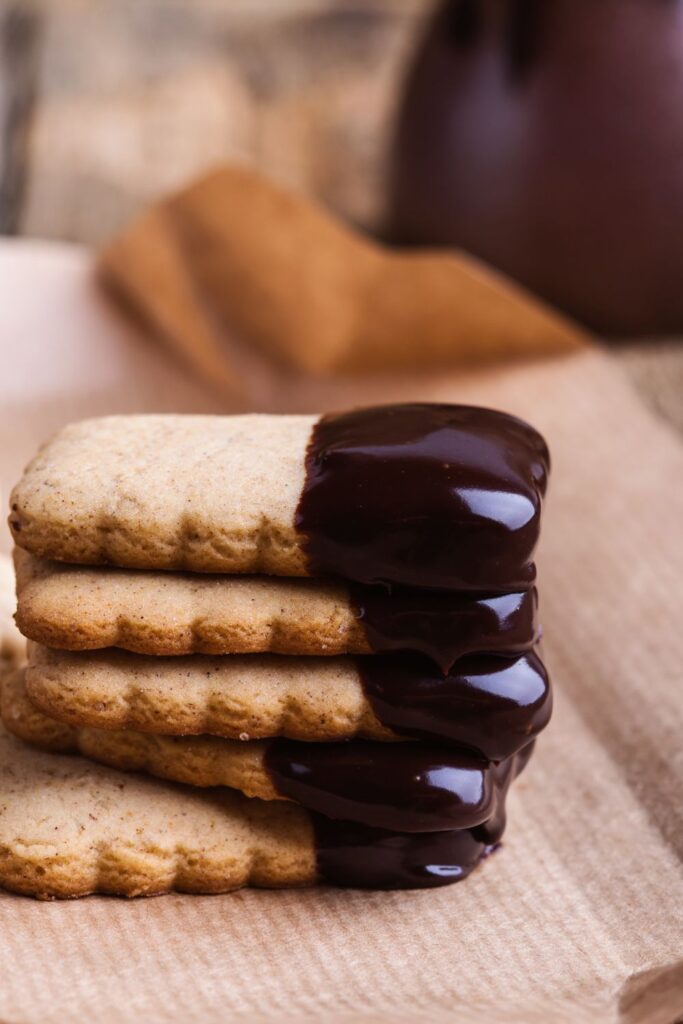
[246,697]
[165,613]
[412,787]
[69,827]
[436,496]
[12,644]
[210,493]
[491,704]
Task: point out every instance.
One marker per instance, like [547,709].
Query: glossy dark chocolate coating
[425,495]
[361,857]
[356,855]
[445,626]
[404,787]
[489,704]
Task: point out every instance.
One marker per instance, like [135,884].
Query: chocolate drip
[488,704]
[356,855]
[426,495]
[371,858]
[445,626]
[490,832]
[403,787]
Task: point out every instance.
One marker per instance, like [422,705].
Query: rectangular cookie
[430,496]
[490,704]
[238,697]
[167,613]
[208,493]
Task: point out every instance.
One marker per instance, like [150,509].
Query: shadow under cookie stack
[320,631]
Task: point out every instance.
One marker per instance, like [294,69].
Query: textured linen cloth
[578,918]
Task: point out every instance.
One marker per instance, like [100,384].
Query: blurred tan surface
[577,920]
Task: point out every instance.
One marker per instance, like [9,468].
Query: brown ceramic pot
[546,137]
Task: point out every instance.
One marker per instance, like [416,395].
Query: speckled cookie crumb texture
[238,697]
[195,760]
[205,493]
[167,613]
[69,827]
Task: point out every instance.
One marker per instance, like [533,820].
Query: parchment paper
[579,917]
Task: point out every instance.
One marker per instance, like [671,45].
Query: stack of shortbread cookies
[334,618]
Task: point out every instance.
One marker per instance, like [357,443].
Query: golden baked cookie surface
[69,827]
[169,613]
[250,696]
[205,493]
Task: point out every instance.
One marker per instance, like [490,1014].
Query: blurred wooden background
[106,103]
